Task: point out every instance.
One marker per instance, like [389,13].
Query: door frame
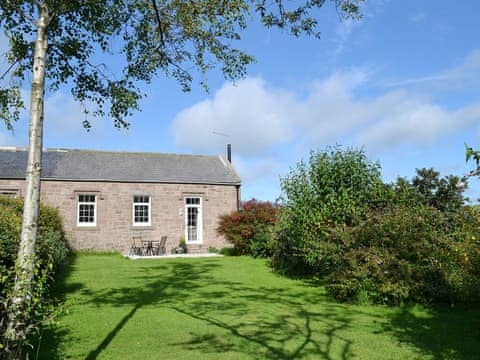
[199,206]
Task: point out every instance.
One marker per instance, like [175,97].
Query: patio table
[150,247]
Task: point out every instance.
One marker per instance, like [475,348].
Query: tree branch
[26,15]
[157,15]
[8,69]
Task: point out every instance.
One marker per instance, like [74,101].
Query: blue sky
[403,83]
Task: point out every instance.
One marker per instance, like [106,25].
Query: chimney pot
[229,153]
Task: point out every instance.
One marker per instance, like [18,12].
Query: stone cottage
[107,198]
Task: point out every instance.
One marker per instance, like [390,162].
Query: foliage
[176,38]
[250,229]
[228,251]
[465,275]
[472,154]
[444,194]
[394,256]
[385,243]
[67,43]
[213,250]
[182,245]
[409,252]
[51,252]
[412,254]
[51,242]
[333,189]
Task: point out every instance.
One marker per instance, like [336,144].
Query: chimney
[229,153]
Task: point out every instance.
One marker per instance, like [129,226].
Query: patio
[173,256]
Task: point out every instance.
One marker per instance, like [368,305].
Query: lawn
[236,308]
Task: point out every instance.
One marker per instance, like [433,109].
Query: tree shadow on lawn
[192,291]
[279,337]
[171,287]
[269,321]
[439,332]
[283,328]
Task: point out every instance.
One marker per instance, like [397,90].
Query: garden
[236,308]
[344,265]
[408,241]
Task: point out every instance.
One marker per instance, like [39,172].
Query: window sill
[87,228]
[142,227]
[194,243]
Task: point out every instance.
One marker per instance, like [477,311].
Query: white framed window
[86,210]
[142,210]
[193,220]
[11,193]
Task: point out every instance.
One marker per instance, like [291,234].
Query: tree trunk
[20,299]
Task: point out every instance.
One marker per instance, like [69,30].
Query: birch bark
[25,266]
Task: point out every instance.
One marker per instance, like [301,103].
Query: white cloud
[259,117]
[332,108]
[253,115]
[417,123]
[62,123]
[464,75]
[416,80]
[63,116]
[251,170]
[467,74]
[63,120]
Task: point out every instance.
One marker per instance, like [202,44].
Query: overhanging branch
[159,21]
[9,69]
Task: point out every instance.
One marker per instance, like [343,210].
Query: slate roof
[87,165]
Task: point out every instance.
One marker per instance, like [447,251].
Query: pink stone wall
[115,228]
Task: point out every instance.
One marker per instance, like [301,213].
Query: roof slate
[86,165]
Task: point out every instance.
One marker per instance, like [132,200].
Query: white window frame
[149,205]
[94,203]
[199,206]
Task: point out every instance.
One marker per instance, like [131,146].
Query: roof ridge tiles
[115,152]
[118,166]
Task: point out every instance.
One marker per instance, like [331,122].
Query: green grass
[236,308]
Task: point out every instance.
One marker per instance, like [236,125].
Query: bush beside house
[333,190]
[51,251]
[250,229]
[384,243]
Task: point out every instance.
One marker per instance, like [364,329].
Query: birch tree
[62,43]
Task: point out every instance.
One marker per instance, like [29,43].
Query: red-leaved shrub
[250,229]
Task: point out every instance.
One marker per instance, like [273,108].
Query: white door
[193,220]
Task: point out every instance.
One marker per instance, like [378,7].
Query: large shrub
[250,229]
[464,275]
[400,254]
[51,252]
[409,253]
[385,243]
[333,189]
